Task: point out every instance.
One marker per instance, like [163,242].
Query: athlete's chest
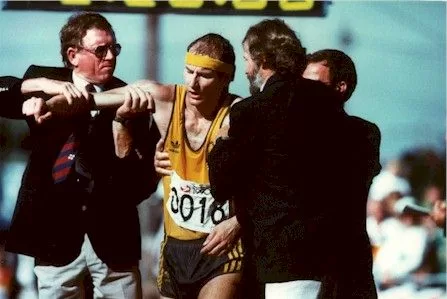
[196,131]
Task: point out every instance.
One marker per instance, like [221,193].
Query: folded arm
[15,91]
[54,87]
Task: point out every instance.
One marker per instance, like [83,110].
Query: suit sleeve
[11,98]
[55,73]
[221,167]
[374,138]
[228,157]
[33,71]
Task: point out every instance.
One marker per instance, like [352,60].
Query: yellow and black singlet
[190,211]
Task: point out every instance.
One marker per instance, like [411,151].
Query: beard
[256,82]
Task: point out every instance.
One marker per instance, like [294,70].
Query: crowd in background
[408,247]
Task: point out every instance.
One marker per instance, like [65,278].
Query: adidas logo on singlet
[175,146]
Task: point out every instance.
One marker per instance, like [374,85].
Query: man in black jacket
[80,217]
[11,90]
[347,279]
[299,153]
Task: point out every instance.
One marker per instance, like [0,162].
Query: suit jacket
[290,160]
[350,271]
[50,220]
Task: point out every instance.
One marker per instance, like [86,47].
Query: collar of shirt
[265,82]
[81,83]
[262,86]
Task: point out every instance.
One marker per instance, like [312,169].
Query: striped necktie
[67,156]
[64,162]
[83,162]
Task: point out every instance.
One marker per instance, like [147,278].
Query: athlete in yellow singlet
[189,117]
[201,253]
[189,211]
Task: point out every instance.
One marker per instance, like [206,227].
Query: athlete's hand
[136,102]
[162,163]
[222,238]
[67,89]
[37,108]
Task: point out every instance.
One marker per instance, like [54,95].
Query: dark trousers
[251,287]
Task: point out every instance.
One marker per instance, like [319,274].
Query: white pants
[66,281]
[297,289]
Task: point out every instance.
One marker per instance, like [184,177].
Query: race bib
[192,206]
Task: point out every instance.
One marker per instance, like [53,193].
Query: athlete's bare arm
[54,87]
[223,131]
[161,103]
[135,102]
[161,98]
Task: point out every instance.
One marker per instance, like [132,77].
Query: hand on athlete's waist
[222,238]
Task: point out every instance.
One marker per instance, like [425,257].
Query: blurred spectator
[6,275]
[425,168]
[439,213]
[387,187]
[402,252]
[410,250]
[432,193]
[389,182]
[13,156]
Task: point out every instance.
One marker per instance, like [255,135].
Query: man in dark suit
[299,150]
[80,217]
[11,90]
[348,279]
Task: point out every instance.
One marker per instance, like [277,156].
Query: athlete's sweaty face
[203,84]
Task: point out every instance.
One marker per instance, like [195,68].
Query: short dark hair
[341,68]
[74,30]
[215,46]
[275,44]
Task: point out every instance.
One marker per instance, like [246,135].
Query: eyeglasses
[101,51]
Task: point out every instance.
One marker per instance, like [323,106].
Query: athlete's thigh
[225,286]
